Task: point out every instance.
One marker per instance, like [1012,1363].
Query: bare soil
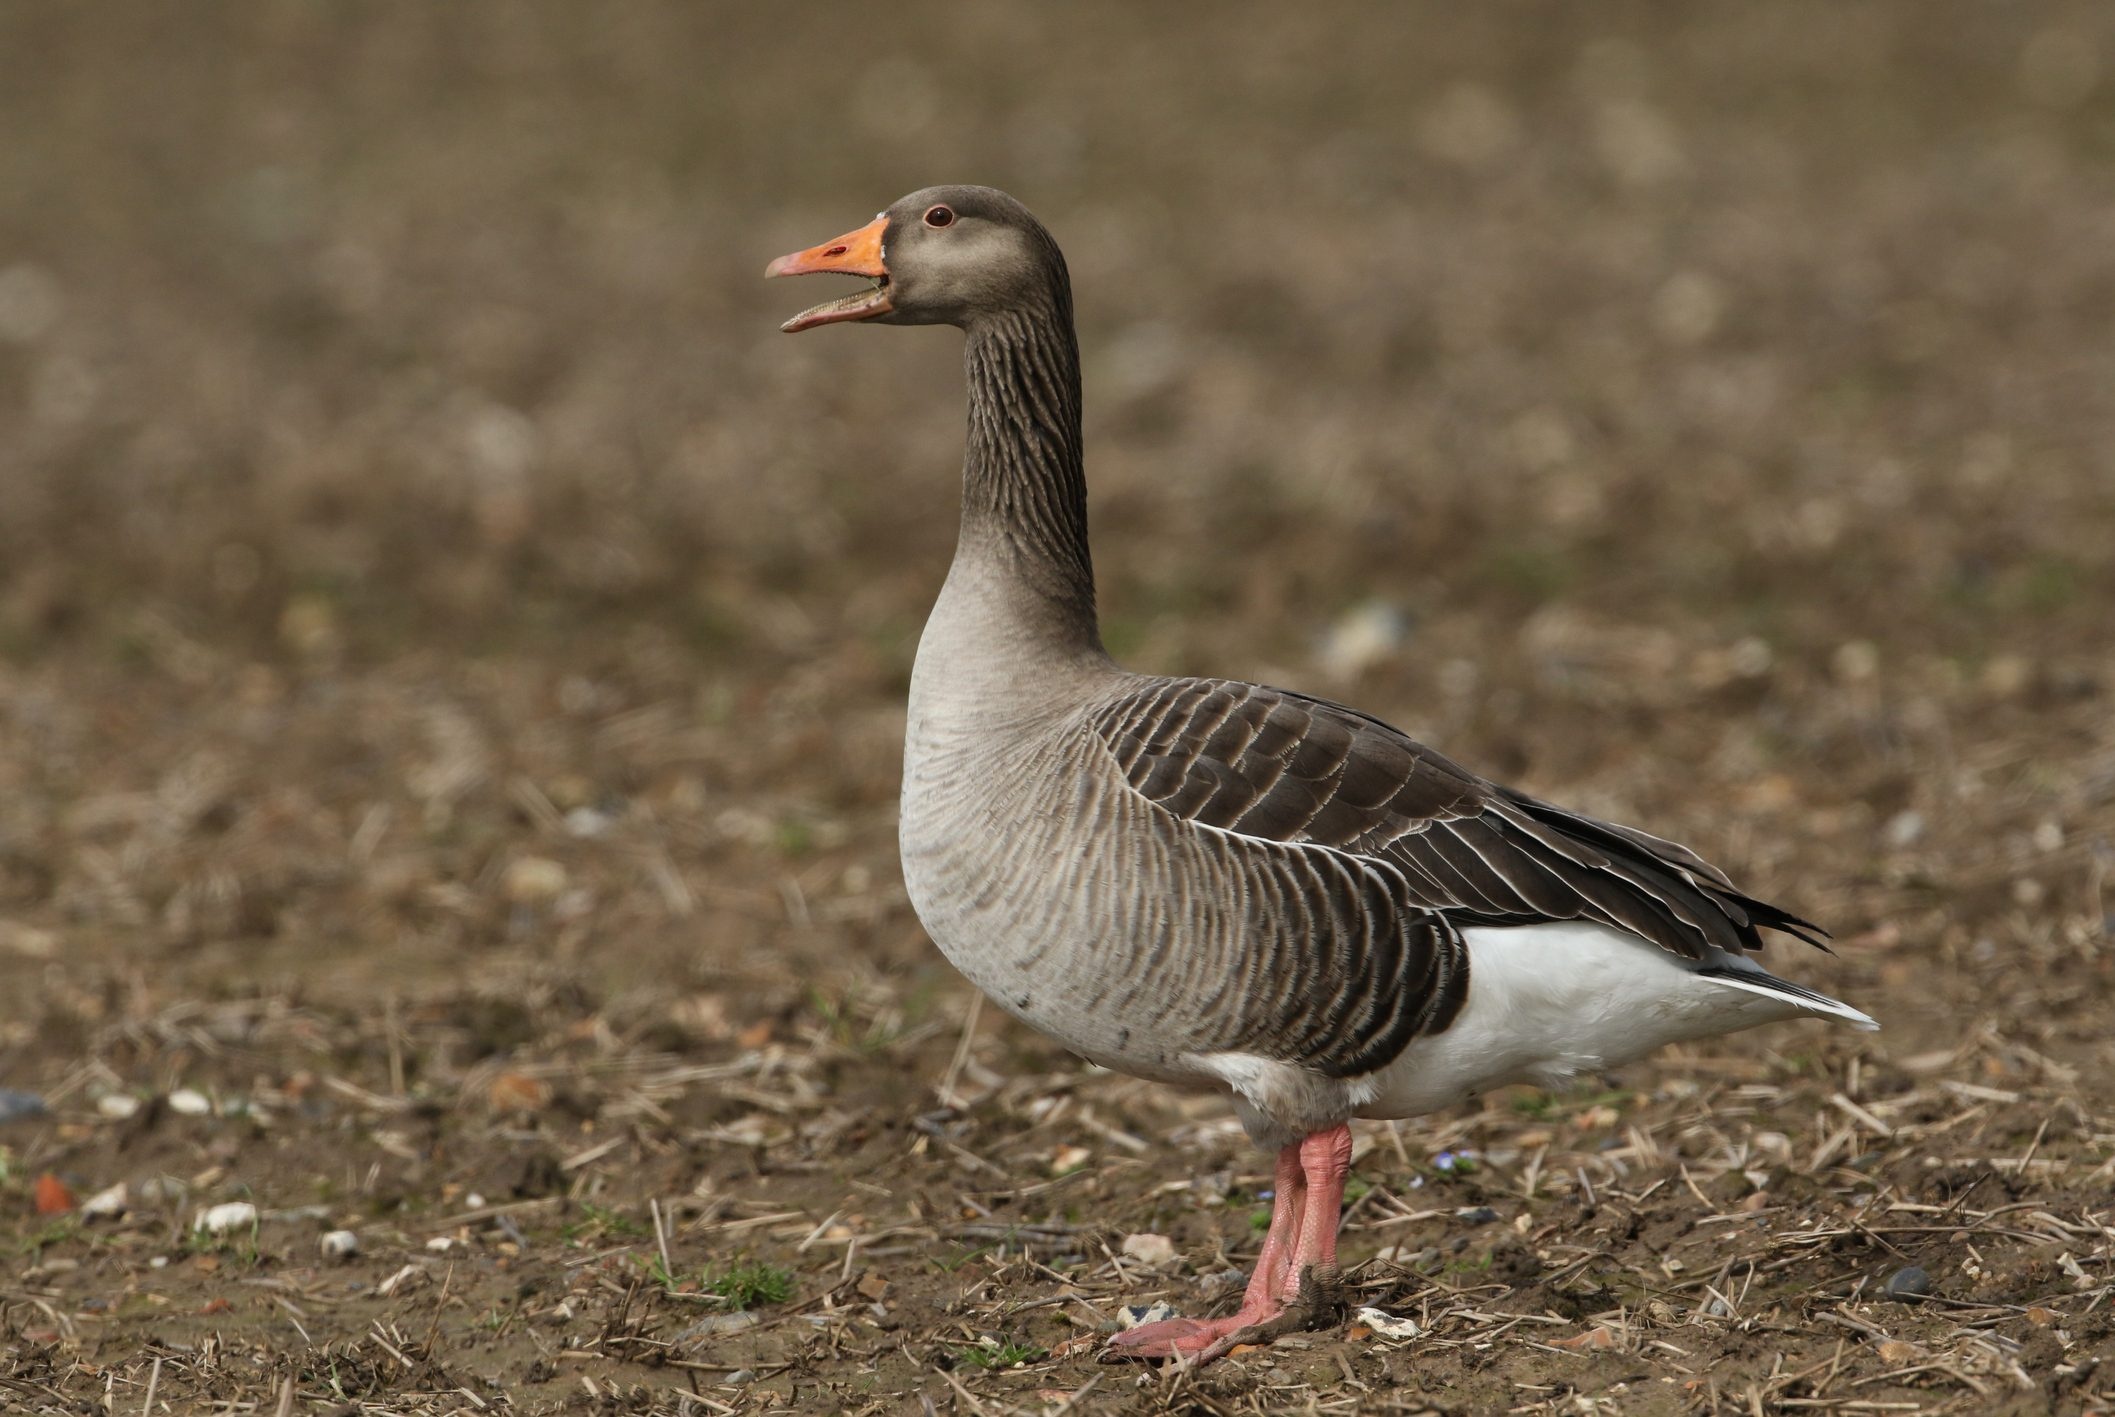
[452,654]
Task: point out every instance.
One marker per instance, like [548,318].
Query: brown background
[450,644]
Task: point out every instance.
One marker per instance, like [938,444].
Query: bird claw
[1293,1318]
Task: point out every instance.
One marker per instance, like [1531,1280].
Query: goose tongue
[856,253]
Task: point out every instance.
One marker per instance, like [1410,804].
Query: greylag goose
[1210,883]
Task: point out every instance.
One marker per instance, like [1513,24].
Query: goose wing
[1283,767]
[1394,849]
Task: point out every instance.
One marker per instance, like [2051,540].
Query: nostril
[835,251]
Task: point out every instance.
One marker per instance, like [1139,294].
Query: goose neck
[1024,494]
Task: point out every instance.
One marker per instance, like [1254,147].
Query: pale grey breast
[1034,868]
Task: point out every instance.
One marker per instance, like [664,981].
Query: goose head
[940,256]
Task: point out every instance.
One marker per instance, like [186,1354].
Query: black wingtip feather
[1630,852]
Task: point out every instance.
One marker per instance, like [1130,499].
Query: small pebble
[1408,1255]
[14,1106]
[740,1377]
[118,1106]
[220,1219]
[340,1245]
[588,823]
[1157,1251]
[1908,1284]
[519,1092]
[189,1101]
[1385,1324]
[1069,1158]
[106,1204]
[533,880]
[1476,1215]
[1905,828]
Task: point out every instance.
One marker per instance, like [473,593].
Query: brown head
[941,256]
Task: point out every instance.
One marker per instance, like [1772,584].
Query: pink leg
[1326,1158]
[1299,1254]
[1288,1206]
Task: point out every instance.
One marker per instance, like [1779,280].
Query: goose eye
[940,216]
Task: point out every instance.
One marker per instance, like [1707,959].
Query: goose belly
[1548,1003]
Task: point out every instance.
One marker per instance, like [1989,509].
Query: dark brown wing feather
[1282,767]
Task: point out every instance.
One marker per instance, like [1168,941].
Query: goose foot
[1173,1338]
[1295,1272]
[1202,1340]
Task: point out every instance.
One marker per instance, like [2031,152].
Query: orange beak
[856,253]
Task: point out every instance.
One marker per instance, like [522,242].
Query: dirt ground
[452,653]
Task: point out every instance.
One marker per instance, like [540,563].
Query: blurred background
[391,412]
[426,573]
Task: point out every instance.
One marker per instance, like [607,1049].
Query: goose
[1209,883]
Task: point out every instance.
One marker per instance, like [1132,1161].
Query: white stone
[1155,1250]
[340,1245]
[1385,1324]
[106,1204]
[230,1215]
[588,823]
[190,1101]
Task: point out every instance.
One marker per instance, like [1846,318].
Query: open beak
[856,253]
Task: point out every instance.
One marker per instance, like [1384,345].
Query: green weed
[745,1286]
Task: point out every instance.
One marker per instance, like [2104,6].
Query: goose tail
[1755,981]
